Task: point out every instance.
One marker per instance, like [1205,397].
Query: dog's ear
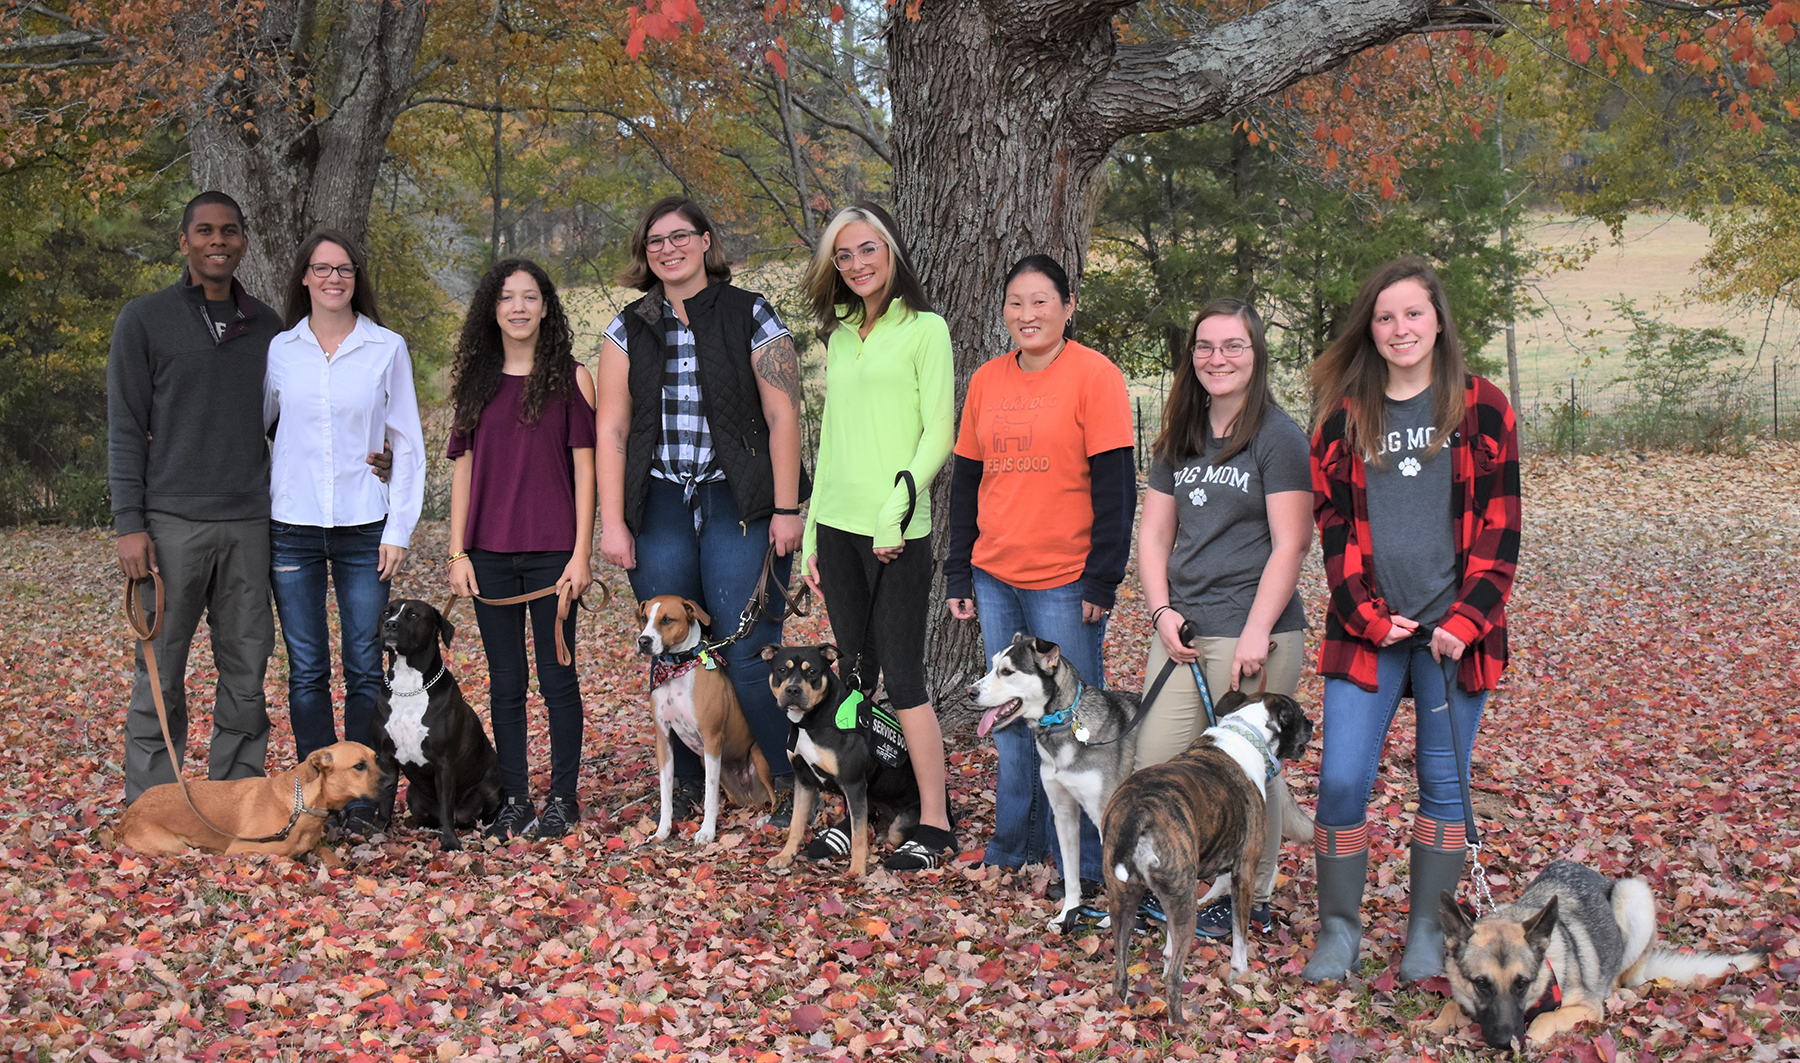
[446,630]
[316,765]
[1049,653]
[1230,702]
[1455,921]
[641,607]
[1539,926]
[768,653]
[830,653]
[697,613]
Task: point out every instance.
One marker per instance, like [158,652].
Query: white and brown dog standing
[695,703]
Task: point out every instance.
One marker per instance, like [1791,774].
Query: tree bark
[298,139]
[1004,111]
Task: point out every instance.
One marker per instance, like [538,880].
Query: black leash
[912,503]
[1187,635]
[1484,900]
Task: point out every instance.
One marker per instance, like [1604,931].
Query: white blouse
[329,415]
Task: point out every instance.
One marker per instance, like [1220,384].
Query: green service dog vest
[886,738]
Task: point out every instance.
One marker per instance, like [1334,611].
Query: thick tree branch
[877,142]
[71,39]
[1167,85]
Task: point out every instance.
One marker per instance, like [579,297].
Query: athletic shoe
[561,813]
[928,849]
[830,843]
[688,801]
[782,816]
[516,817]
[1214,920]
[1150,911]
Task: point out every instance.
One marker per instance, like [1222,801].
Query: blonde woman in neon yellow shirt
[890,416]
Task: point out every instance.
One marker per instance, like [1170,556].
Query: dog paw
[781,865]
[704,837]
[662,834]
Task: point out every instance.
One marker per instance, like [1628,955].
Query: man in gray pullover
[189,467]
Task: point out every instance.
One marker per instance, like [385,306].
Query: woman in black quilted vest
[699,454]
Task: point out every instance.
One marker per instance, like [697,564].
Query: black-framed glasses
[321,270]
[1230,348]
[678,238]
[869,252]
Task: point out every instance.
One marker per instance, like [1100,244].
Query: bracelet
[1157,613]
[781,512]
[454,558]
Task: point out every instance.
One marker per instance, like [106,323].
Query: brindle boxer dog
[1193,817]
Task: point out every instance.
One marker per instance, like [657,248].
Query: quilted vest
[722,320]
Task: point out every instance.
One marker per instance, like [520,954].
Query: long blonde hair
[833,300]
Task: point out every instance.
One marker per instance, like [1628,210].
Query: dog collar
[1056,721]
[389,683]
[300,806]
[1552,998]
[668,666]
[1255,738]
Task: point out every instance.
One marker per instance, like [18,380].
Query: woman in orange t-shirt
[1041,504]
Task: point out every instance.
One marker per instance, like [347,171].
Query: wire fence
[1585,412]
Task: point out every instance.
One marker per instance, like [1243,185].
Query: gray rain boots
[1434,869]
[1340,891]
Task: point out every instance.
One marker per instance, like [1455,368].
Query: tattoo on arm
[779,367]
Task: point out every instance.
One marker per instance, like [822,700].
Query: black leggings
[503,637]
[896,649]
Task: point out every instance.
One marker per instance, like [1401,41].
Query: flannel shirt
[684,453]
[1484,452]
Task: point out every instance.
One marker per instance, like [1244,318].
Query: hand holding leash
[137,556]
[1177,636]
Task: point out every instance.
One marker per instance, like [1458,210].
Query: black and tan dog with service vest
[836,743]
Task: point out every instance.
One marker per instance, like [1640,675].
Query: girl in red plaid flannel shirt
[1415,473]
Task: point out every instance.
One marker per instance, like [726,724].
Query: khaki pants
[1178,718]
[218,569]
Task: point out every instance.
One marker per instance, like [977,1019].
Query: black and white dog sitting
[424,728]
[1084,740]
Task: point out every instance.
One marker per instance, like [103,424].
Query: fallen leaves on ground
[1648,725]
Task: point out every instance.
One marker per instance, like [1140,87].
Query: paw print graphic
[1197,496]
[1408,466]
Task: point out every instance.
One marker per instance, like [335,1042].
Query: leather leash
[794,603]
[146,630]
[564,603]
[1484,900]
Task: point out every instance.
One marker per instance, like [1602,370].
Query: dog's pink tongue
[987,721]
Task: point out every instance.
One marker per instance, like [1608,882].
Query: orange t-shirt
[1033,434]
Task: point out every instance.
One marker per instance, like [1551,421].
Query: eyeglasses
[678,238]
[1230,348]
[869,252]
[321,270]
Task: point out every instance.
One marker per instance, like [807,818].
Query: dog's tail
[1141,857]
[1634,908]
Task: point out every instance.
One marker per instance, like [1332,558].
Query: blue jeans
[717,566]
[299,557]
[1023,826]
[1356,727]
[503,638]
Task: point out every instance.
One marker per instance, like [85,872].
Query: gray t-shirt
[1413,544]
[1222,525]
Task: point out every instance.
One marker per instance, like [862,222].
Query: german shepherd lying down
[1547,962]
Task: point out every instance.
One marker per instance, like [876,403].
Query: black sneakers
[561,813]
[516,817]
[1214,920]
[830,843]
[928,849]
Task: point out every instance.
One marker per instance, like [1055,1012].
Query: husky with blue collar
[1085,735]
[1194,817]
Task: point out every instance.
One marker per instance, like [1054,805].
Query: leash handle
[565,603]
[794,603]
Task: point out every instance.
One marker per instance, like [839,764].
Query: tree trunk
[1004,111]
[298,139]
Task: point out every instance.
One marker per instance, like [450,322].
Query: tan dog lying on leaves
[161,822]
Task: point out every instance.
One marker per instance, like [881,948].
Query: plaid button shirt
[1484,454]
[684,453]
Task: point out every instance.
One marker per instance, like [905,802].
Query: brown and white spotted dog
[694,702]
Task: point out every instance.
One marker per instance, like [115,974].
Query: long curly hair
[475,374]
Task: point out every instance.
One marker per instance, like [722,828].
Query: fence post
[1571,416]
[1138,418]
